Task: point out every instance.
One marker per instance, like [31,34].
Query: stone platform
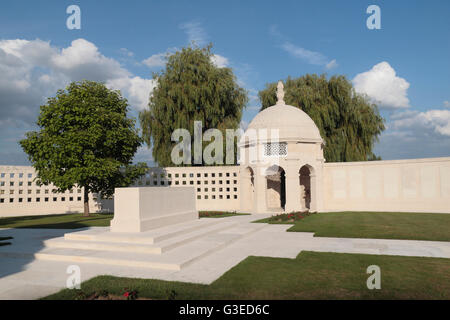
[168,248]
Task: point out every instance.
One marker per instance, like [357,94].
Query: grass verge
[219,214]
[312,275]
[57,221]
[377,225]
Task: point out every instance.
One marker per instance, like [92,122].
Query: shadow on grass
[58,225]
[56,221]
[220,214]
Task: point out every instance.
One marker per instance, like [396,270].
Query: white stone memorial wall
[416,185]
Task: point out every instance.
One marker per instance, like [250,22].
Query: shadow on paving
[26,243]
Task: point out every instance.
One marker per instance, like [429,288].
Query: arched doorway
[305,187]
[275,188]
[247,189]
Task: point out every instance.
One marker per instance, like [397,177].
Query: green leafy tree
[348,122]
[191,88]
[85,140]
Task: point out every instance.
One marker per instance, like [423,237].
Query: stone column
[247,191]
[260,205]
[314,192]
[292,190]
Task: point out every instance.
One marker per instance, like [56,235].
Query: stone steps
[148,237]
[177,251]
[156,245]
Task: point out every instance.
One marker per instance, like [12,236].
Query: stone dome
[293,124]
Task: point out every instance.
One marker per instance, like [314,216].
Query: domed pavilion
[281,161]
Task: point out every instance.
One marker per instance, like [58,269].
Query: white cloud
[437,121]
[156,60]
[414,134]
[32,70]
[159,59]
[219,61]
[304,54]
[332,64]
[310,57]
[195,32]
[383,86]
[126,52]
[137,89]
[82,60]
[274,32]
[20,87]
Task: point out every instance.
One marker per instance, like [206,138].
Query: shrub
[289,217]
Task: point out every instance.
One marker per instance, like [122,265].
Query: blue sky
[404,67]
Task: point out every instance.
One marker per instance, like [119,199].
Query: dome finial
[280,93]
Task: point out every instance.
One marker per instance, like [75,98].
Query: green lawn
[57,221]
[219,214]
[312,275]
[378,225]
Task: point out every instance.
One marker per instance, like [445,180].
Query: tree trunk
[86,202]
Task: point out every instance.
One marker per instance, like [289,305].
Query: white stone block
[146,208]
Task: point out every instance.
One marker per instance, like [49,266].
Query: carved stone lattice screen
[275,149]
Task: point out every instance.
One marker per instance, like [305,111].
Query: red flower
[126,294]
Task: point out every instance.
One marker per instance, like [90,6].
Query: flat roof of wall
[383,162]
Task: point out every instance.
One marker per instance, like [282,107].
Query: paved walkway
[28,278]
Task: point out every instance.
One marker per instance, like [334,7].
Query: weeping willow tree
[348,122]
[191,88]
